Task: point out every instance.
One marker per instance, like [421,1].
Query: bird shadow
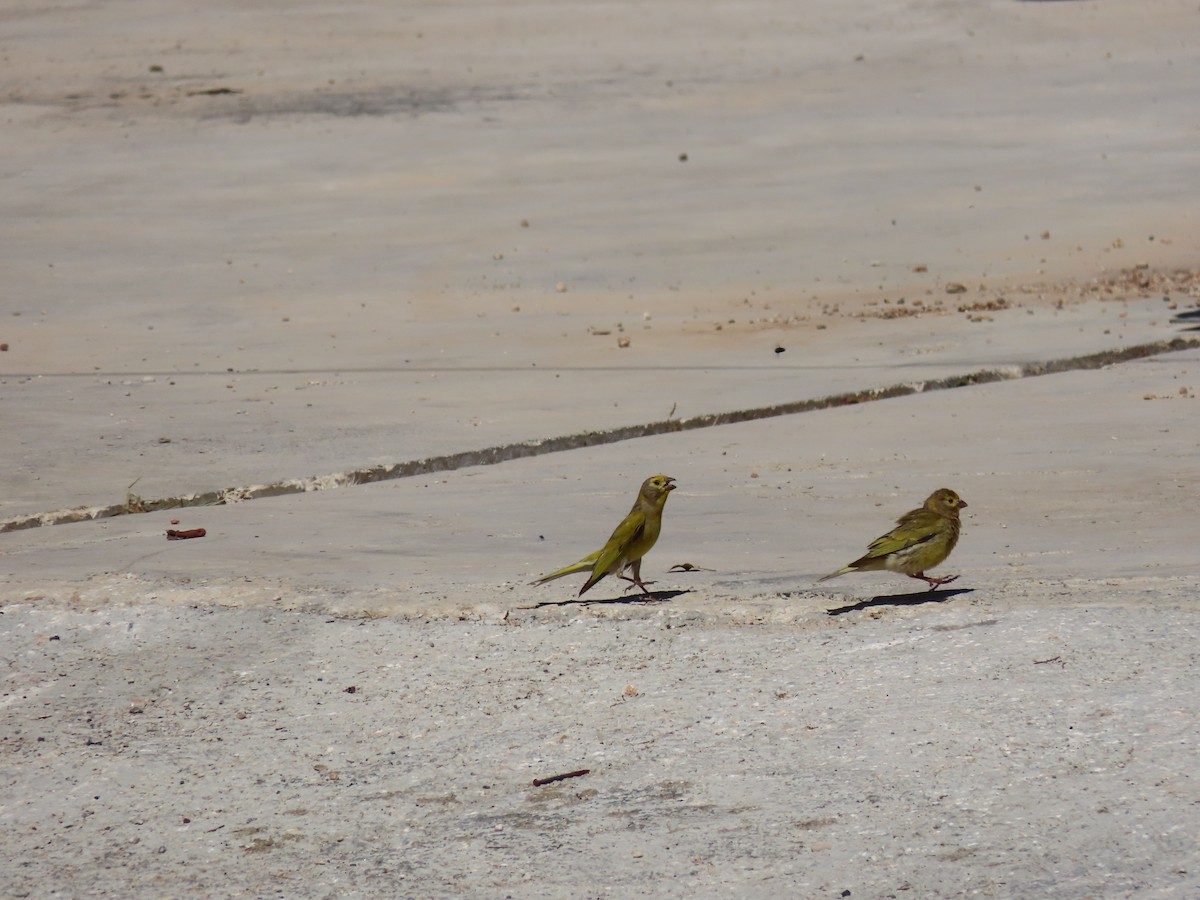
[631,600]
[914,599]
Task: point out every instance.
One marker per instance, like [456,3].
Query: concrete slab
[1082,474]
[89,440]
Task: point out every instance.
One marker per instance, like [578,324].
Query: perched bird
[631,540]
[922,539]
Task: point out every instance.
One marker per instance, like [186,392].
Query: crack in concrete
[489,456]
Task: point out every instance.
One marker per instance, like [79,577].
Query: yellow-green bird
[922,539]
[631,540]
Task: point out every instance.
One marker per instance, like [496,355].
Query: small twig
[1057,659]
[538,782]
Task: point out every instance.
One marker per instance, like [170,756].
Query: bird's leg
[636,580]
[934,583]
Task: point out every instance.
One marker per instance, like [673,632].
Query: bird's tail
[584,565]
[841,571]
[591,582]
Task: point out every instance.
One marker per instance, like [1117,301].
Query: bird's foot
[935,583]
[635,583]
[645,590]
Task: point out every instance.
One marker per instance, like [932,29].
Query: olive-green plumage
[631,540]
[922,539]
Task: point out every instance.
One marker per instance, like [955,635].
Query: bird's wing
[612,557]
[915,528]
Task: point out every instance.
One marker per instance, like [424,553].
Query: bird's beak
[670,485]
[962,504]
